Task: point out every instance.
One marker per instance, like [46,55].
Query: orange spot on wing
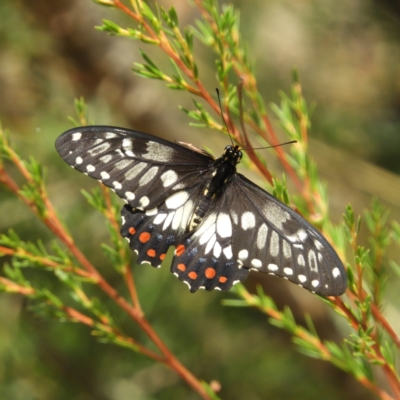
[144,237]
[210,273]
[162,256]
[222,279]
[181,267]
[179,250]
[151,253]
[192,275]
[132,230]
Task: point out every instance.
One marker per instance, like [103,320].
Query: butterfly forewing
[221,224]
[140,168]
[270,237]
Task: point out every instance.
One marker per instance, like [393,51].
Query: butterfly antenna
[270,147]
[241,114]
[240,92]
[222,115]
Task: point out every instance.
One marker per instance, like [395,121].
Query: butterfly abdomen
[224,171]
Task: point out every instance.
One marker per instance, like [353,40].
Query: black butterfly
[221,224]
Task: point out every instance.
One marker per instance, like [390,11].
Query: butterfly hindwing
[205,259]
[151,232]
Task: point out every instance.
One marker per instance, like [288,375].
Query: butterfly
[221,224]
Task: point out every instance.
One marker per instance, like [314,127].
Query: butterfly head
[233,154]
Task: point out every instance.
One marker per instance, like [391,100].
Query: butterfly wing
[142,169]
[162,182]
[270,237]
[248,228]
[150,233]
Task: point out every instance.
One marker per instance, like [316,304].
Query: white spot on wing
[243,254]
[127,143]
[300,260]
[148,176]
[234,217]
[272,267]
[129,196]
[224,225]
[106,158]
[169,177]
[151,212]
[256,263]
[178,186]
[262,236]
[135,170]
[104,175]
[299,236]
[312,261]
[168,220]
[274,244]
[110,135]
[117,185]
[302,278]
[288,271]
[187,212]
[205,237]
[217,249]
[275,214]
[159,219]
[127,146]
[315,282]
[228,252]
[144,201]
[287,251]
[99,149]
[302,234]
[90,168]
[318,244]
[177,200]
[78,160]
[76,136]
[210,245]
[248,220]
[158,152]
[336,272]
[123,163]
[206,224]
[177,218]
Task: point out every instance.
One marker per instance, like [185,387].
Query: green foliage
[371,345]
[82,113]
[280,191]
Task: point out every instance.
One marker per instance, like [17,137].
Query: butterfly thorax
[224,170]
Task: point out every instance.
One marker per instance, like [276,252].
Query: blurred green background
[347,53]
